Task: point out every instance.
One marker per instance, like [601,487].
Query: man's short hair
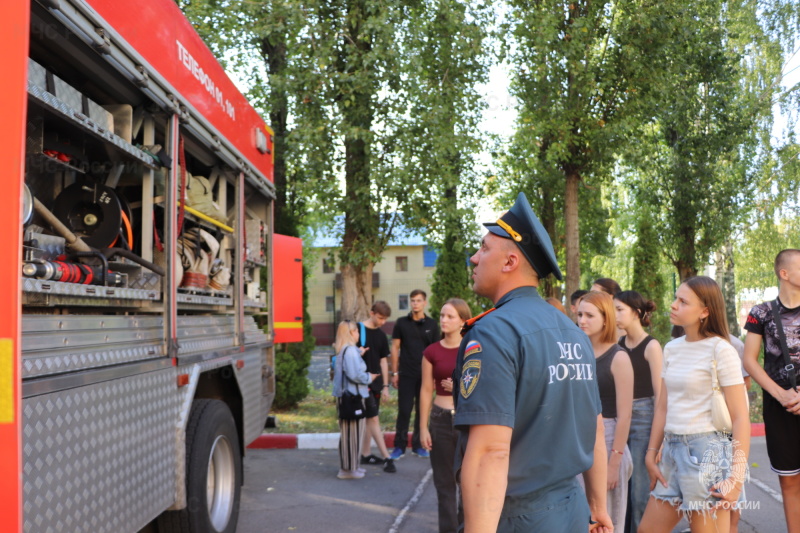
[418,292]
[381,308]
[576,295]
[783,257]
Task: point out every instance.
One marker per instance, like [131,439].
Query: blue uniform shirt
[527,366]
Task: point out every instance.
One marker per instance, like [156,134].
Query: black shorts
[782,429]
[372,404]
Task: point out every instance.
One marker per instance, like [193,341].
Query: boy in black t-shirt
[411,335]
[374,340]
[781,404]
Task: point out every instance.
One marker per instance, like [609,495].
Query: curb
[330,441]
[309,441]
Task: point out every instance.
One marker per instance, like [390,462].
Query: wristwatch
[395,373]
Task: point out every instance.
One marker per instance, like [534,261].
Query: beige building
[407,264]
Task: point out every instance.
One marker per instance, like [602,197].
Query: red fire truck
[143,287]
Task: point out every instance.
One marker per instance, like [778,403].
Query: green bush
[291,384]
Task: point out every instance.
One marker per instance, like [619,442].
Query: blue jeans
[691,465]
[638,440]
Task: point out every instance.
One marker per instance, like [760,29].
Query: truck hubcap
[220,487]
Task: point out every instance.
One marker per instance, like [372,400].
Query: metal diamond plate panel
[86,291]
[57,344]
[249,378]
[203,300]
[148,281]
[100,458]
[58,363]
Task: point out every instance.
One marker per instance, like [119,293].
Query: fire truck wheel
[213,473]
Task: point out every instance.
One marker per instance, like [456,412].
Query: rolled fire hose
[73,241]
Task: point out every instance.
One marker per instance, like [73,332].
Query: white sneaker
[350,474]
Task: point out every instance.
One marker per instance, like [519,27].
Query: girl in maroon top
[438,363]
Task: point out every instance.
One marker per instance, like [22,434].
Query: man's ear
[513,261]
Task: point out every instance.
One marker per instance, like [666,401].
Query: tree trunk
[360,222]
[356,291]
[685,270]
[550,287]
[571,233]
[727,282]
[273,50]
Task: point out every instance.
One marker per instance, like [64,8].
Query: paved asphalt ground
[297,490]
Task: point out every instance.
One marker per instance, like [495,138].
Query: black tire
[213,473]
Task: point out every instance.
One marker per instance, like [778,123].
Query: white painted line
[766,488]
[317,441]
[412,502]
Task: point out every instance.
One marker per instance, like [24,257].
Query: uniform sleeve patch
[472,348]
[470,374]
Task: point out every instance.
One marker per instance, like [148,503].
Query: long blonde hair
[343,336]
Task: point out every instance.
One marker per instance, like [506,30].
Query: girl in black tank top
[633,315]
[597,319]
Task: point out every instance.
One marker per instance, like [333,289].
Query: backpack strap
[790,370]
[362,335]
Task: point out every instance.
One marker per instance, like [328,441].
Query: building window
[429,257]
[401,263]
[328,264]
[329,304]
[402,302]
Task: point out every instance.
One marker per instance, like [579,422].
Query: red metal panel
[160,33]
[14,32]
[287,287]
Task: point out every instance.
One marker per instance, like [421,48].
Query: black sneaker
[388,466]
[371,460]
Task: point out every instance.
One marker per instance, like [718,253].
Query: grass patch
[317,414]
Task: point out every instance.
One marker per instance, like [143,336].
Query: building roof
[330,237]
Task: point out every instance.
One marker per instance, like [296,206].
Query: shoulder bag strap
[714,378]
[344,374]
[362,336]
[776,316]
[341,356]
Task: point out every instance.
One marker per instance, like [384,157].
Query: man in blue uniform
[527,404]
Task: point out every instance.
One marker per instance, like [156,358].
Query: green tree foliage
[695,157]
[523,170]
[580,68]
[648,279]
[444,41]
[774,223]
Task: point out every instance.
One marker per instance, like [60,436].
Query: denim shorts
[691,465]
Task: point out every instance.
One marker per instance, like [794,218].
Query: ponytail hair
[709,293]
[644,308]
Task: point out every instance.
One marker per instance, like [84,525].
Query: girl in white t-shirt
[701,471]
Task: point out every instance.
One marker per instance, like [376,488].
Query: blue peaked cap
[521,225]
